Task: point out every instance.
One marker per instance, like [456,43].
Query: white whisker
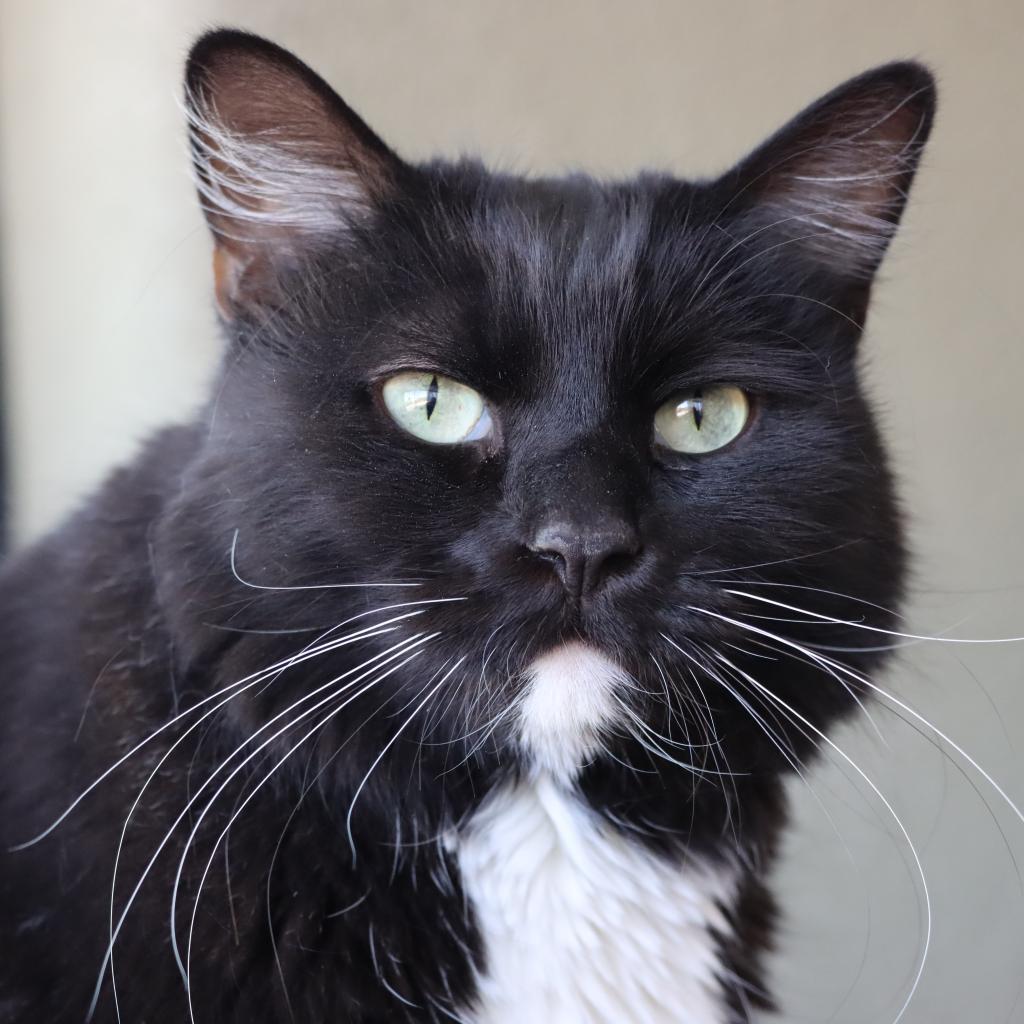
[878,629]
[387,746]
[318,586]
[926,945]
[404,648]
[307,652]
[864,681]
[353,638]
[181,817]
[316,728]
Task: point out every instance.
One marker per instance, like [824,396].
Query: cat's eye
[703,420]
[436,409]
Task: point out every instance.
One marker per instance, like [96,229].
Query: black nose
[585,558]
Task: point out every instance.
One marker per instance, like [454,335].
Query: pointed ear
[834,180]
[282,164]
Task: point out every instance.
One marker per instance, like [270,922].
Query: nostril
[557,560]
[553,558]
[584,558]
[554,545]
[608,562]
[619,561]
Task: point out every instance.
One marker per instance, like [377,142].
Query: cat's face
[579,417]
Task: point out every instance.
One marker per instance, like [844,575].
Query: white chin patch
[569,701]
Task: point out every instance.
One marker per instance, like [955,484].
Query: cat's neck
[582,925]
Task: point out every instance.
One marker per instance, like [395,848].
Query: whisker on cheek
[186,965]
[397,650]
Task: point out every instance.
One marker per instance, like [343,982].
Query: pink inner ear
[846,190]
[227,273]
[835,179]
[281,164]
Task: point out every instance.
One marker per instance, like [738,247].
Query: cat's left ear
[283,165]
[833,182]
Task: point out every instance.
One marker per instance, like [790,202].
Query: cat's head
[594,423]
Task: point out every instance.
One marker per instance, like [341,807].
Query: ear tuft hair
[281,163]
[834,180]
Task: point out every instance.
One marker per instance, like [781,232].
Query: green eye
[702,420]
[436,409]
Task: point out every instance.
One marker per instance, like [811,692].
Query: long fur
[305,640]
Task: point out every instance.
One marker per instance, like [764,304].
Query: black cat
[428,676]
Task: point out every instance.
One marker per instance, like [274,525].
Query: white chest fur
[581,925]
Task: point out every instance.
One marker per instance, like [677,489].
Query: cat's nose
[583,559]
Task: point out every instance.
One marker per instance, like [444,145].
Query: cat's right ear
[283,165]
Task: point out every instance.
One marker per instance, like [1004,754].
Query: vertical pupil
[697,404]
[432,396]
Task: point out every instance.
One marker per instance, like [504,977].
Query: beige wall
[109,332]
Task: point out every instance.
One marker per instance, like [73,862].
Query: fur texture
[324,657]
[583,925]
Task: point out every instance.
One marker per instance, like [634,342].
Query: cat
[437,671]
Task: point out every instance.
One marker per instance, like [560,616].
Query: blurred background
[108,332]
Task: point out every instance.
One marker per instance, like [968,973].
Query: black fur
[577,308]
